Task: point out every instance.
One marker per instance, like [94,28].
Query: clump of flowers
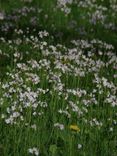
[63,5]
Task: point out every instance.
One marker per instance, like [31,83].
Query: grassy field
[58,78]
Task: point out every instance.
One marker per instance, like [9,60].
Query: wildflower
[111,129]
[34,127]
[75,128]
[34,151]
[60,126]
[1,16]
[79,146]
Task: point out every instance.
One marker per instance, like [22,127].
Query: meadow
[58,78]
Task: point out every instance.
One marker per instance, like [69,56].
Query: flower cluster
[59,82]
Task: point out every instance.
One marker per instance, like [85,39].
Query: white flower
[34,151]
[60,126]
[1,16]
[34,127]
[79,146]
[111,129]
[43,34]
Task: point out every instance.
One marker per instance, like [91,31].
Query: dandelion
[75,128]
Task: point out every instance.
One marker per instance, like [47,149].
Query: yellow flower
[75,128]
